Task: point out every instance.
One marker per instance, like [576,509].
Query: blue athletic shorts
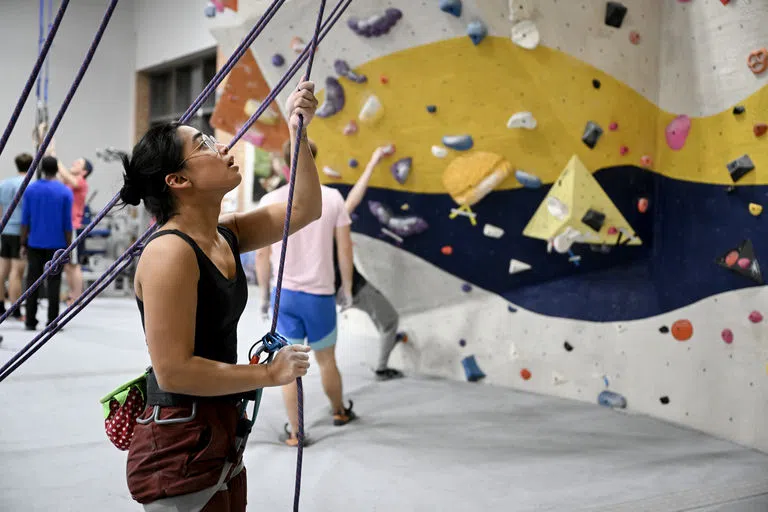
[305,315]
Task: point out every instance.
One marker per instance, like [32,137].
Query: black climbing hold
[664,400]
[512,309]
[596,83]
[568,347]
[739,167]
[739,109]
[592,133]
[431,109]
[594,219]
[663,329]
[742,261]
[614,14]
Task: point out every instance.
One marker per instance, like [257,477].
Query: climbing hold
[270,116]
[755,317]
[677,132]
[278,60]
[331,173]
[642,205]
[512,309]
[614,14]
[334,98]
[431,109]
[755,209]
[682,330]
[471,370]
[342,69]
[210,10]
[451,7]
[742,261]
[634,37]
[612,230]
[612,400]
[388,150]
[462,343]
[297,44]
[594,219]
[350,128]
[447,250]
[592,133]
[623,150]
[646,161]
[760,129]
[525,34]
[663,329]
[525,373]
[492,231]
[458,142]
[517,266]
[527,180]
[353,163]
[757,61]
[439,151]
[562,243]
[402,169]
[466,288]
[568,347]
[477,31]
[522,120]
[738,110]
[613,126]
[558,379]
[377,25]
[401,226]
[469,178]
[596,83]
[727,336]
[405,207]
[557,208]
[372,110]
[739,167]
[383,79]
[664,400]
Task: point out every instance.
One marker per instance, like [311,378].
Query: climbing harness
[137,391]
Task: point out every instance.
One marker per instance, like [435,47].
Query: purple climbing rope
[33,75]
[281,265]
[60,114]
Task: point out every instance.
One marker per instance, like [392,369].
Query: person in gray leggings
[365,296]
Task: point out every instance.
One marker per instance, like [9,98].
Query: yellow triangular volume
[573,194]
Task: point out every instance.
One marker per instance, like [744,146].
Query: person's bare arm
[345,254]
[167,276]
[67,177]
[263,274]
[355,196]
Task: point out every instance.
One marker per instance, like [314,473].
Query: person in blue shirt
[46,225]
[12,265]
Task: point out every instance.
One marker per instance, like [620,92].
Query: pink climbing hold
[744,262]
[623,150]
[613,126]
[612,230]
[727,336]
[634,37]
[646,161]
[755,317]
[677,132]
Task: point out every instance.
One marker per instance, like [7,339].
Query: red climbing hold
[384,80]
[623,150]
[642,205]
[725,2]
[634,37]
[525,373]
[612,230]
[613,126]
[727,336]
[447,250]
[682,330]
[755,317]
[760,129]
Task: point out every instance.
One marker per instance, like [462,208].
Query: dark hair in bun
[159,153]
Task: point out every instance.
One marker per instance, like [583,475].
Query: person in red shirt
[75,179]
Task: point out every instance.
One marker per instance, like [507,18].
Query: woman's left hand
[302,102]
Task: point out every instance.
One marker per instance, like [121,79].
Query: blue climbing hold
[477,31]
[353,163]
[431,109]
[458,142]
[451,7]
[471,370]
[466,287]
[527,180]
[612,400]
[278,60]
[210,10]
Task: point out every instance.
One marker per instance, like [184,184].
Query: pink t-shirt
[309,258]
[79,195]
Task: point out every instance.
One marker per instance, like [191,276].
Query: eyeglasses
[205,140]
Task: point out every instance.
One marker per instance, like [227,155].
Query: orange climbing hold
[447,250]
[642,205]
[760,129]
[758,61]
[525,373]
[383,79]
[682,330]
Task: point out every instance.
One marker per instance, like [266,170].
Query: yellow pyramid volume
[574,193]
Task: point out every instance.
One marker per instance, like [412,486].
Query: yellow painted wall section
[477,88]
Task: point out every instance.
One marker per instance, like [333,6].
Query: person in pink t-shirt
[308,296]
[75,179]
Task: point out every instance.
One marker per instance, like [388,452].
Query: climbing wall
[559,214]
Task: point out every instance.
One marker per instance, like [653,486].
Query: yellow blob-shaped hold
[755,209]
[471,177]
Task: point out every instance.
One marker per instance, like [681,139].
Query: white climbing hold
[557,208]
[519,10]
[351,128]
[522,120]
[439,151]
[562,243]
[513,354]
[372,109]
[517,266]
[525,34]
[558,379]
[331,173]
[492,231]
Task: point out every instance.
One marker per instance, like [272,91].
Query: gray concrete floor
[421,444]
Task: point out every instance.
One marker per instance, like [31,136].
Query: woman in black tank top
[191,290]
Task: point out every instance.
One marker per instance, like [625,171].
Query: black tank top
[220,301]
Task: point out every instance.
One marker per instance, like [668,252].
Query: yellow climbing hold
[469,178]
[755,209]
[405,206]
[578,190]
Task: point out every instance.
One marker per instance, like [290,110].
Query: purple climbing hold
[353,163]
[278,60]
[342,68]
[402,169]
[512,309]
[466,288]
[463,343]
[377,25]
[400,225]
[334,98]
[451,7]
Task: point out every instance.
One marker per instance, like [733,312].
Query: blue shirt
[47,211]
[8,189]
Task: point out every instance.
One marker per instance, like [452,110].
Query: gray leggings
[384,316]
